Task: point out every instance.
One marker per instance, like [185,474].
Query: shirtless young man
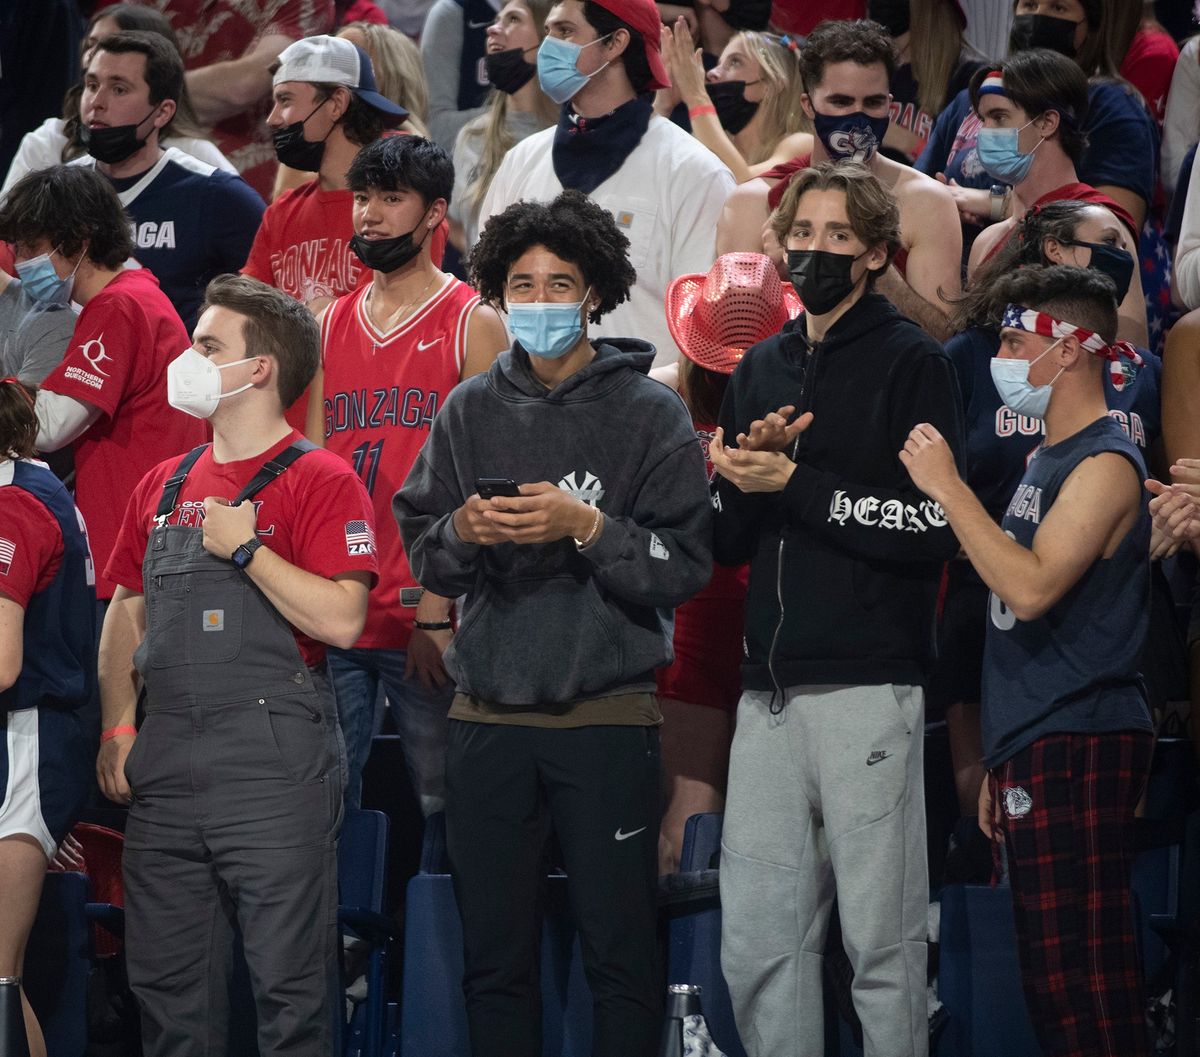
[847,67]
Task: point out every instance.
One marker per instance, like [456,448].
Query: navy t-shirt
[191,221]
[999,441]
[1076,668]
[1122,149]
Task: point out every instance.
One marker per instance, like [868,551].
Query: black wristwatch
[241,557]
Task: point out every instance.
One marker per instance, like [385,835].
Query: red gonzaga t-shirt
[117,362]
[31,545]
[303,244]
[315,515]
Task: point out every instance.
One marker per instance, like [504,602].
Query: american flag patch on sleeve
[360,539]
[8,550]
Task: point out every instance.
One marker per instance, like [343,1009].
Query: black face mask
[891,14]
[115,144]
[1043,31]
[1110,261]
[508,71]
[294,151]
[387,255]
[734,110]
[821,278]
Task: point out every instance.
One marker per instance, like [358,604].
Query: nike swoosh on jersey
[423,345]
[625,836]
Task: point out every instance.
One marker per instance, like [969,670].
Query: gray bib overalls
[236,776]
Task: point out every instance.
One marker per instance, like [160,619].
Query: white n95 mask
[194,383]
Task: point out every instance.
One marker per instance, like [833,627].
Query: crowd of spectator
[647,409]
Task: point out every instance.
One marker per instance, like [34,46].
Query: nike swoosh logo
[423,345]
[626,836]
[479,25]
[879,759]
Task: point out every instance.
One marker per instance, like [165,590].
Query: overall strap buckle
[172,484]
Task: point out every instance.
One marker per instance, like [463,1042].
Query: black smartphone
[490,487]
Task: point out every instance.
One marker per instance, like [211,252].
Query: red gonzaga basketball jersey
[382,392]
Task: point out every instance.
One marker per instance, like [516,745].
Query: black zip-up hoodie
[845,561]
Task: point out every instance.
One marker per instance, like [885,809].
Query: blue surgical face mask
[547,329]
[558,72]
[1001,156]
[1011,378]
[41,282]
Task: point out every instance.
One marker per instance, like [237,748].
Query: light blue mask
[1011,378]
[41,282]
[558,72]
[546,329]
[1001,156]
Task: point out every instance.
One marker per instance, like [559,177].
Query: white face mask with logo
[194,383]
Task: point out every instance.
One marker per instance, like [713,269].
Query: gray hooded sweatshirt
[547,624]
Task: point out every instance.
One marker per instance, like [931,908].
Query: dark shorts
[45,771]
[957,674]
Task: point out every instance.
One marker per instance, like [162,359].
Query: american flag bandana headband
[1123,359]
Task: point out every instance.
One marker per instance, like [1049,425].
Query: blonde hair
[399,74]
[781,111]
[934,51]
[492,125]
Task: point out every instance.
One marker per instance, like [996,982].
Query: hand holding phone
[490,487]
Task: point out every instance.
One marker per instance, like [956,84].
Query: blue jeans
[420,716]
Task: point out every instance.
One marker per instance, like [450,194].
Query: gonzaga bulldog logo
[857,143]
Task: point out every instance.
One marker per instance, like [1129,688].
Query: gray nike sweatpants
[826,797]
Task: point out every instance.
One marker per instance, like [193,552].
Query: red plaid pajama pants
[1067,806]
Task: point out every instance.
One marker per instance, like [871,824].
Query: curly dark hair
[18,421]
[68,206]
[1075,295]
[572,227]
[837,40]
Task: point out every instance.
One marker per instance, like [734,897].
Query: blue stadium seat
[362,885]
[433,1019]
[694,955]
[58,963]
[979,978]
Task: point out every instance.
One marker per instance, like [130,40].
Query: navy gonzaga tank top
[1075,668]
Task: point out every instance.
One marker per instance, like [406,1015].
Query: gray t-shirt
[33,337]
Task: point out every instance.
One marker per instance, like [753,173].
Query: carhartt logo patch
[213,620]
[1017,802]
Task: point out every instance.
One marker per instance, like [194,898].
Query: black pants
[599,788]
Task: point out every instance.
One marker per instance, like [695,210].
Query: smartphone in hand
[490,487]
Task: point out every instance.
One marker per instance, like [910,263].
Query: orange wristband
[114,732]
[698,111]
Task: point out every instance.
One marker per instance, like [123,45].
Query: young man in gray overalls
[236,563]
